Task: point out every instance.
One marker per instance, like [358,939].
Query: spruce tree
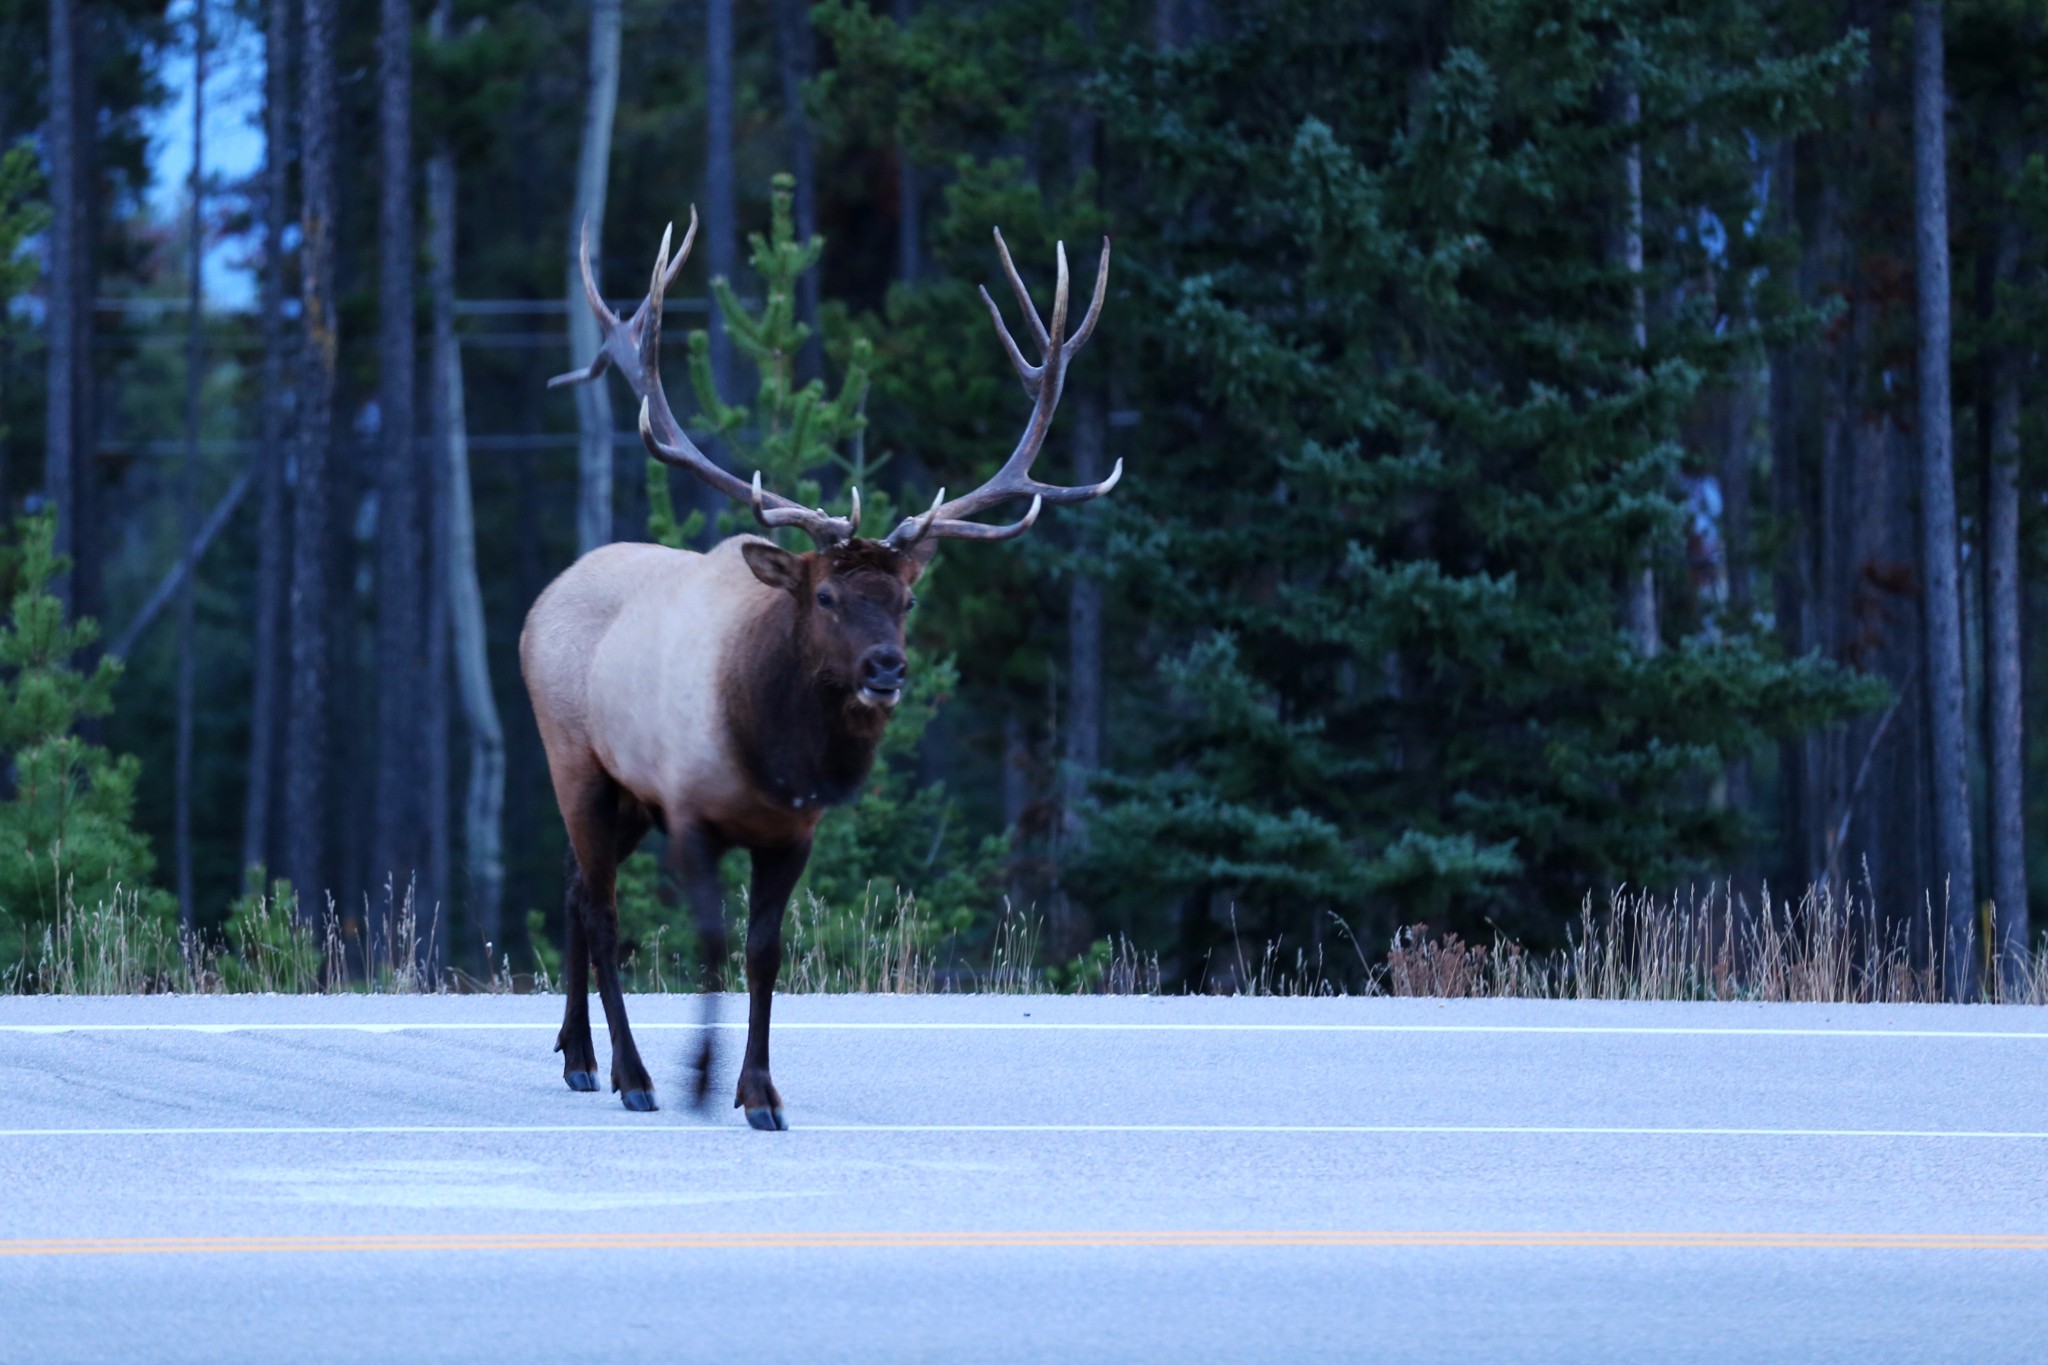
[67,832]
[1402,450]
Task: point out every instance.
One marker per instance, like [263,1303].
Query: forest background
[1568,444]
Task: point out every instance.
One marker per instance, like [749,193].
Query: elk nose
[883,669]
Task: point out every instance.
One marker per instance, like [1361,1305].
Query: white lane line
[800,1026]
[1251,1129]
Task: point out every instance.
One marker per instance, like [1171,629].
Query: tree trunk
[483,808]
[87,597]
[1641,608]
[485,802]
[593,164]
[1738,607]
[306,748]
[458,598]
[2005,737]
[1948,731]
[188,476]
[1792,374]
[796,49]
[395,824]
[442,407]
[270,459]
[61,324]
[721,210]
[909,216]
[1071,928]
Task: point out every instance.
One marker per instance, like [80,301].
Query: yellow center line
[912,1241]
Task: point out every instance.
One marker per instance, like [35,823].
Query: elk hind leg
[579,1055]
[607,826]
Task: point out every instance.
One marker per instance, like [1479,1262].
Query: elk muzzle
[883,671]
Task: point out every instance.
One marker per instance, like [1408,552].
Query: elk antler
[1043,383]
[634,345]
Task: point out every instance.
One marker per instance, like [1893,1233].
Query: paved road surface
[1010,1179]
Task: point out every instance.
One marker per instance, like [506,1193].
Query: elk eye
[911,605]
[825,599]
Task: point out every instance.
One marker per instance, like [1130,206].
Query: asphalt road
[1028,1179]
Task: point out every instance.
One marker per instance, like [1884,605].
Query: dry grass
[884,945]
[115,948]
[1713,945]
[1828,947]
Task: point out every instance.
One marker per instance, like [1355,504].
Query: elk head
[850,601]
[852,593]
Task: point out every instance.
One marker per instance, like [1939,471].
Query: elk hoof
[581,1080]
[768,1120]
[639,1101]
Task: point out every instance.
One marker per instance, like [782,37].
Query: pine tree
[792,432]
[67,830]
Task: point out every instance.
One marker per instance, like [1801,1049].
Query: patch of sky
[232,136]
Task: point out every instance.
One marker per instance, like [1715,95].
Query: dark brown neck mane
[803,741]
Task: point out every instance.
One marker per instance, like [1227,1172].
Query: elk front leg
[693,856]
[776,871]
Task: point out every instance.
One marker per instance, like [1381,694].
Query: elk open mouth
[886,698]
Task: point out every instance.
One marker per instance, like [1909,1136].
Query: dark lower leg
[775,875]
[693,857]
[579,1056]
[629,1073]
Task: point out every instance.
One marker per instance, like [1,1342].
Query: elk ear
[775,566]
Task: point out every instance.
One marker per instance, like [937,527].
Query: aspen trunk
[460,595]
[441,409]
[484,804]
[593,164]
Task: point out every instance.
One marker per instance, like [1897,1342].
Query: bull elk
[730,698]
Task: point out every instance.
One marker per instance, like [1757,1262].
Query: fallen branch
[168,588]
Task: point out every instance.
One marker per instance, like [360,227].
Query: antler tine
[675,267]
[650,388]
[1044,382]
[590,289]
[607,320]
[665,438]
[975,530]
[1087,327]
[1026,371]
[1017,284]
[913,528]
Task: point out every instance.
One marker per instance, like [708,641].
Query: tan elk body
[622,654]
[730,698]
